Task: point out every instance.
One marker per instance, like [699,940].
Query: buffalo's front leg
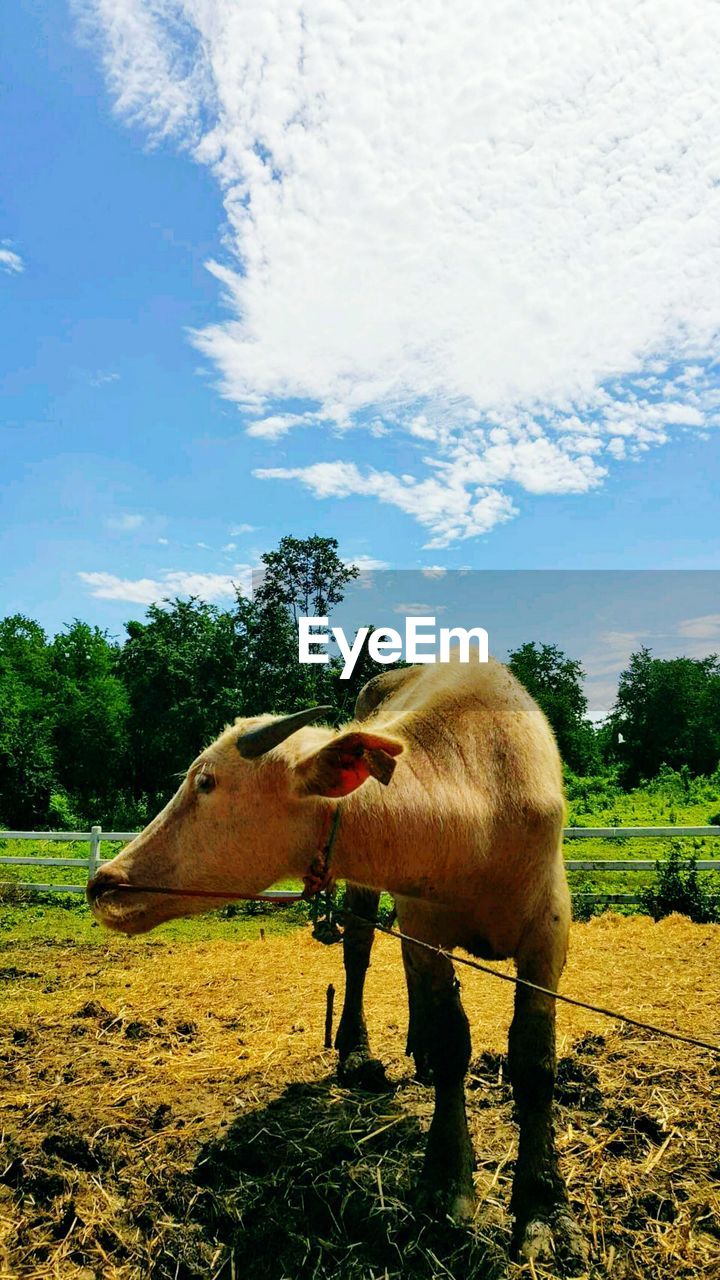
[416,1044]
[357,1066]
[544,1226]
[441,1040]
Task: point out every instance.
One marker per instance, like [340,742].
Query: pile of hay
[168,1110]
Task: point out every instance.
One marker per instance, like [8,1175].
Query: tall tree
[556,683]
[27,761]
[183,669]
[306,575]
[91,719]
[667,712]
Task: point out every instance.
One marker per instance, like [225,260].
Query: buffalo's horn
[256,742]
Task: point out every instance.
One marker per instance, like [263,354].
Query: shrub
[60,815]
[677,888]
[591,793]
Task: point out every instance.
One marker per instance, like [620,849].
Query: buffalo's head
[248,813]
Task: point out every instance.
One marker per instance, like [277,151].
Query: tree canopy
[97,729]
[667,712]
[556,683]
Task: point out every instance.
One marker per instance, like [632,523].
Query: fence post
[94,862]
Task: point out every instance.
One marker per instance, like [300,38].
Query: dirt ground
[167,1110]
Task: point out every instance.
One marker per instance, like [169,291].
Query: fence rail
[96,836]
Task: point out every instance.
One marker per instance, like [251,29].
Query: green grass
[66,917]
[67,920]
[640,808]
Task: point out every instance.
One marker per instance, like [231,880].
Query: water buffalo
[466,835]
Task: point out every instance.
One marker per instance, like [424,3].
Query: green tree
[183,669]
[306,575]
[667,712]
[191,668]
[90,721]
[26,723]
[556,683]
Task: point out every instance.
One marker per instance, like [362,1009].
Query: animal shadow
[319,1182]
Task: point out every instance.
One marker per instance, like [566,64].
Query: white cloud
[492,230]
[366,564]
[101,379]
[416,610]
[209,586]
[445,506]
[278,424]
[704,628]
[126,523]
[236,530]
[685,414]
[11,263]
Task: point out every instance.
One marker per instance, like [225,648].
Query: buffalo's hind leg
[356,1066]
[544,1226]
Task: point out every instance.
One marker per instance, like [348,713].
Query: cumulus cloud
[491,233]
[279,424]
[367,563]
[445,504]
[11,263]
[208,586]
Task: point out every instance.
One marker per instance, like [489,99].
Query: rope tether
[534,986]
[329,924]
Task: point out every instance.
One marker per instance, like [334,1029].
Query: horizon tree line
[93,729]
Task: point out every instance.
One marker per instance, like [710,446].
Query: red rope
[287,898]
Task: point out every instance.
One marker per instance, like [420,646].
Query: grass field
[167,1110]
[67,917]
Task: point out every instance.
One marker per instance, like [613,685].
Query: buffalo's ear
[345,763]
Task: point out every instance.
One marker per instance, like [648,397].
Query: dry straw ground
[168,1111]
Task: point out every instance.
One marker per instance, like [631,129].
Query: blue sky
[394,343]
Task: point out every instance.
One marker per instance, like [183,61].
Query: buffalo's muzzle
[103,883]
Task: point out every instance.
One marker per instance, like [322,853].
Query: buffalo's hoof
[423,1070]
[360,1071]
[456,1203]
[555,1239]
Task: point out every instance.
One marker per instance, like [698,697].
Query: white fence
[96,836]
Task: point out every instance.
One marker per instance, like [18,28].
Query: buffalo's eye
[204,782]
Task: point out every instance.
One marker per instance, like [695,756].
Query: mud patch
[577,1084]
[293,1189]
[633,1130]
[13,974]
